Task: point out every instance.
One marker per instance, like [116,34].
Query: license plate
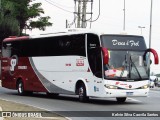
[129,93]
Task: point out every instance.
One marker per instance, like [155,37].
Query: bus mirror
[105,55]
[156,59]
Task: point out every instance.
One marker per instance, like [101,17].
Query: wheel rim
[20,89]
[81,92]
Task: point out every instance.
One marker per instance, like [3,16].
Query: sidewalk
[8,107]
[21,109]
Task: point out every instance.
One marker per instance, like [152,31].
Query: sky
[111,18]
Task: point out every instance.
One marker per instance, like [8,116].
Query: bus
[82,63]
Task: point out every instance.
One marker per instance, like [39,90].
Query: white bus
[82,63]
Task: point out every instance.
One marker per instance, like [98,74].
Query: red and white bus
[87,64]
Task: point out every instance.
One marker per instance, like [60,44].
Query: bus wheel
[82,93]
[121,99]
[20,88]
[54,95]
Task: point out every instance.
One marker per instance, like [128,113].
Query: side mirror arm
[156,58]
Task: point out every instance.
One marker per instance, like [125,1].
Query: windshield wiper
[132,63]
[125,65]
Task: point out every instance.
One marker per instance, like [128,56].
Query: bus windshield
[126,65]
[125,58]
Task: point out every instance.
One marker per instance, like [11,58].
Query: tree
[15,16]
[8,23]
[26,11]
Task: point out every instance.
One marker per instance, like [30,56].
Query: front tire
[121,99]
[82,93]
[20,88]
[54,95]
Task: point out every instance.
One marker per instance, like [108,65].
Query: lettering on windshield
[131,43]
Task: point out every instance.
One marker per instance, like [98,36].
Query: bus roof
[66,32]
[76,31]
[15,38]
[61,33]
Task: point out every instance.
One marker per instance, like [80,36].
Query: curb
[40,118]
[2,113]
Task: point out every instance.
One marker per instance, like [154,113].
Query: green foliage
[25,12]
[17,15]
[9,26]
[41,23]
[8,23]
[35,10]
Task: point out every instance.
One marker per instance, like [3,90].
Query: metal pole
[91,13]
[79,14]
[84,13]
[66,23]
[141,28]
[124,22]
[150,32]
[150,35]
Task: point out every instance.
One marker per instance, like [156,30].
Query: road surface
[71,104]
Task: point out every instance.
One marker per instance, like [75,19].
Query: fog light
[111,86]
[145,86]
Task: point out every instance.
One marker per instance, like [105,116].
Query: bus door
[95,61]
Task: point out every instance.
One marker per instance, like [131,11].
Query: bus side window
[6,51]
[94,55]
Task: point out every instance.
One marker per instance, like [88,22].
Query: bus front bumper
[126,93]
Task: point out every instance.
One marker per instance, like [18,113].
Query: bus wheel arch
[81,91]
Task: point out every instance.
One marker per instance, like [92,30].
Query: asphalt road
[71,104]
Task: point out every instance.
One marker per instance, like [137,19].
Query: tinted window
[94,54]
[50,46]
[6,50]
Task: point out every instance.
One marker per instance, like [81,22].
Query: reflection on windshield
[126,65]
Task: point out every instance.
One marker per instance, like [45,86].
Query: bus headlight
[145,87]
[111,86]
